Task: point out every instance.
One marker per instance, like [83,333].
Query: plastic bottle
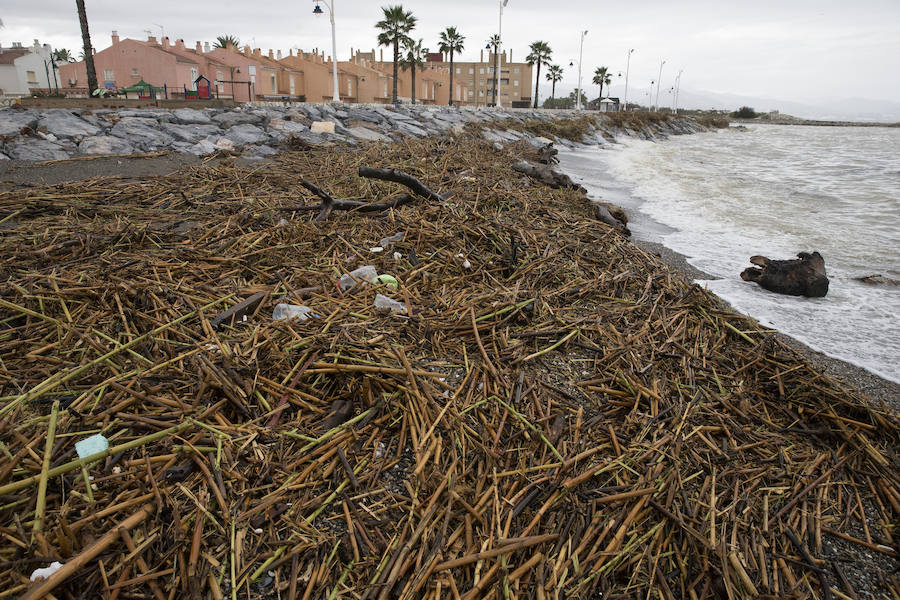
[292,311]
[392,305]
[366,274]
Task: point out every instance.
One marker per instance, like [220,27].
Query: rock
[246,134]
[363,115]
[145,113]
[545,174]
[191,116]
[366,134]
[224,144]
[32,149]
[3,156]
[412,130]
[202,148]
[63,124]
[104,144]
[803,276]
[491,136]
[287,127]
[139,133]
[190,133]
[259,152]
[232,118]
[12,122]
[322,127]
[877,279]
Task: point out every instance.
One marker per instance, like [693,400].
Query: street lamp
[627,68]
[580,55]
[677,88]
[657,83]
[318,11]
[499,102]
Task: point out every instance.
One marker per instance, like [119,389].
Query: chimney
[247,50]
[510,55]
[180,44]
[482,56]
[271,54]
[278,55]
[165,42]
[151,39]
[205,47]
[115,37]
[291,52]
[257,52]
[198,48]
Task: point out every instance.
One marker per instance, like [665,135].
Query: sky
[808,51]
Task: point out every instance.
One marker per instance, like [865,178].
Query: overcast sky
[800,50]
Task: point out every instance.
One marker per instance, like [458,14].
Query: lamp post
[580,55]
[677,87]
[318,11]
[498,103]
[627,68]
[657,83]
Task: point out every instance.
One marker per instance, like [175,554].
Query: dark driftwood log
[402,178]
[546,175]
[803,276]
[548,155]
[329,203]
[239,310]
[609,214]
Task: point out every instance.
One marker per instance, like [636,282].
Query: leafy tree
[539,54]
[602,76]
[451,42]
[88,51]
[494,42]
[63,56]
[584,99]
[395,28]
[414,57]
[745,112]
[554,75]
[559,102]
[223,41]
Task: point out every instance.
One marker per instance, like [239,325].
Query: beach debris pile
[555,414]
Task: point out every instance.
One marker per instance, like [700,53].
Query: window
[516,70]
[194,74]
[490,69]
[291,82]
[32,76]
[219,76]
[481,82]
[108,75]
[274,85]
[458,70]
[481,93]
[481,71]
[515,82]
[471,93]
[349,87]
[134,72]
[252,69]
[472,70]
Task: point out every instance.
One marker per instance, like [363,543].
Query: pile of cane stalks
[556,414]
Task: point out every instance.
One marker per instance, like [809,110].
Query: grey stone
[144,137]
[312,112]
[491,136]
[32,149]
[369,135]
[3,156]
[104,144]
[246,134]
[144,113]
[360,114]
[232,118]
[190,133]
[259,152]
[63,124]
[14,121]
[412,130]
[191,116]
[202,148]
[287,127]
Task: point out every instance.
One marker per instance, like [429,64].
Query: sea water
[721,197]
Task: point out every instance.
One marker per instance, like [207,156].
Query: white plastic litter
[397,256]
[376,249]
[390,240]
[92,445]
[366,274]
[292,311]
[46,572]
[392,305]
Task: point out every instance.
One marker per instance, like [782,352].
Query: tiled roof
[8,55]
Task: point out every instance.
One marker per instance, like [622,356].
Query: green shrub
[745,112]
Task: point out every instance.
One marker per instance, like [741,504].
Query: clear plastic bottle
[366,274]
[292,311]
[389,304]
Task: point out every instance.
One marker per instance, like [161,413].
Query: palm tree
[63,55]
[223,41]
[395,27]
[451,42]
[540,54]
[88,51]
[494,41]
[554,74]
[601,76]
[414,57]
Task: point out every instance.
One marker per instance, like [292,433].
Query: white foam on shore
[719,198]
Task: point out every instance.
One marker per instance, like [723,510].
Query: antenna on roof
[149,32]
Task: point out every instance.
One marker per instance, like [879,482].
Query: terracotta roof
[8,55]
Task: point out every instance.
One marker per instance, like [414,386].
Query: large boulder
[33,149]
[64,124]
[287,127]
[104,144]
[12,122]
[191,116]
[202,148]
[802,276]
[232,118]
[140,134]
[246,134]
[366,134]
[190,133]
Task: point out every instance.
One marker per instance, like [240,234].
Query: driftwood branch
[402,178]
[546,175]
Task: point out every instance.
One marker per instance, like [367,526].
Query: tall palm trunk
[451,79]
[412,71]
[88,51]
[537,83]
[553,90]
[396,62]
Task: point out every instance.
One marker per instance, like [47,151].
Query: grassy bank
[555,414]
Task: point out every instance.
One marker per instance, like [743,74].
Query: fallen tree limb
[546,175]
[402,178]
